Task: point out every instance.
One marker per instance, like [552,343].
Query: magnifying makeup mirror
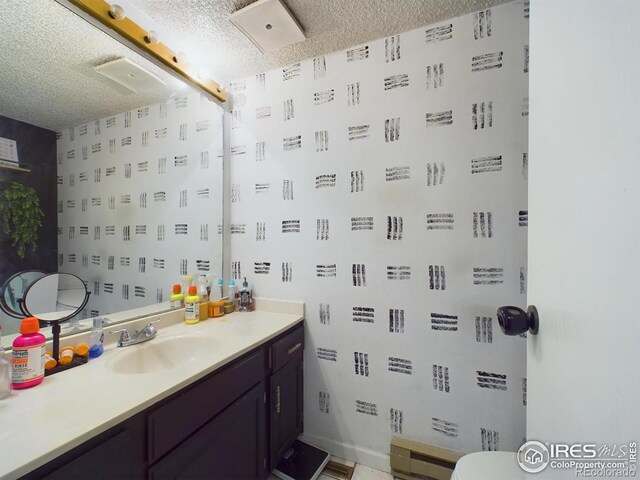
[55,297]
[52,299]
[14,289]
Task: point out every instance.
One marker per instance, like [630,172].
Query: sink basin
[161,354]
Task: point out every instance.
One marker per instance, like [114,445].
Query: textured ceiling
[47,77]
[203,31]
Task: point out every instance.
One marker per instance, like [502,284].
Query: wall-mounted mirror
[128,178]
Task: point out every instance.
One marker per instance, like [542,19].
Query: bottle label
[27,363]
[176,304]
[245,298]
[192,311]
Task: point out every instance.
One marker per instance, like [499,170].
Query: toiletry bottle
[192,306]
[96,338]
[221,287]
[27,356]
[229,307]
[245,301]
[204,297]
[216,309]
[209,280]
[233,294]
[5,372]
[177,297]
[187,281]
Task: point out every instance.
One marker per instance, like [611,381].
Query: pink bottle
[27,356]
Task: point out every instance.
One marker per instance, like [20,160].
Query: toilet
[488,466]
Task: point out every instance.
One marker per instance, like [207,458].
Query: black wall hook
[515,321]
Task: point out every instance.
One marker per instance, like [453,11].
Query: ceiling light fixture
[112,20]
[117,12]
[152,37]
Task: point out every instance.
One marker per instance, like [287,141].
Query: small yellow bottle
[177,297]
[192,306]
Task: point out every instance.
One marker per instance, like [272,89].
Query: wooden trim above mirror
[134,36]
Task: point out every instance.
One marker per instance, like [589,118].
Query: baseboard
[377,460]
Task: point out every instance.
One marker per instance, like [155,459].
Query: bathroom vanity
[235,418]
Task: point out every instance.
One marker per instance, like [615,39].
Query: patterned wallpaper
[386,187]
[140,201]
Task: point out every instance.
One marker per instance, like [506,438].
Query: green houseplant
[21,216]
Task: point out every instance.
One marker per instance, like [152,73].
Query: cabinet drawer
[287,348]
[171,423]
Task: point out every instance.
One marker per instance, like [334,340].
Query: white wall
[583,240]
[302,243]
[150,170]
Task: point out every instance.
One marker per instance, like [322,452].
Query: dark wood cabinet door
[180,417]
[118,453]
[231,446]
[286,408]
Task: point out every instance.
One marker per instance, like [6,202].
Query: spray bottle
[203,293]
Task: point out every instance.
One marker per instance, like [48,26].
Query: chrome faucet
[139,336]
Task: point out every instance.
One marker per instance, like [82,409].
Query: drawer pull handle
[295,347]
[278,399]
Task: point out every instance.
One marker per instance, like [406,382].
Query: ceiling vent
[268,24]
[130,75]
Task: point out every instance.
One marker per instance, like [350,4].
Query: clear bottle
[221,287]
[5,372]
[192,306]
[96,338]
[187,281]
[203,293]
[233,293]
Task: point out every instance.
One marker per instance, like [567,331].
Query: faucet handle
[124,337]
[150,329]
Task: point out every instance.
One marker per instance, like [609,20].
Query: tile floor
[362,472]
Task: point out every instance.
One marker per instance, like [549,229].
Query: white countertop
[68,408]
